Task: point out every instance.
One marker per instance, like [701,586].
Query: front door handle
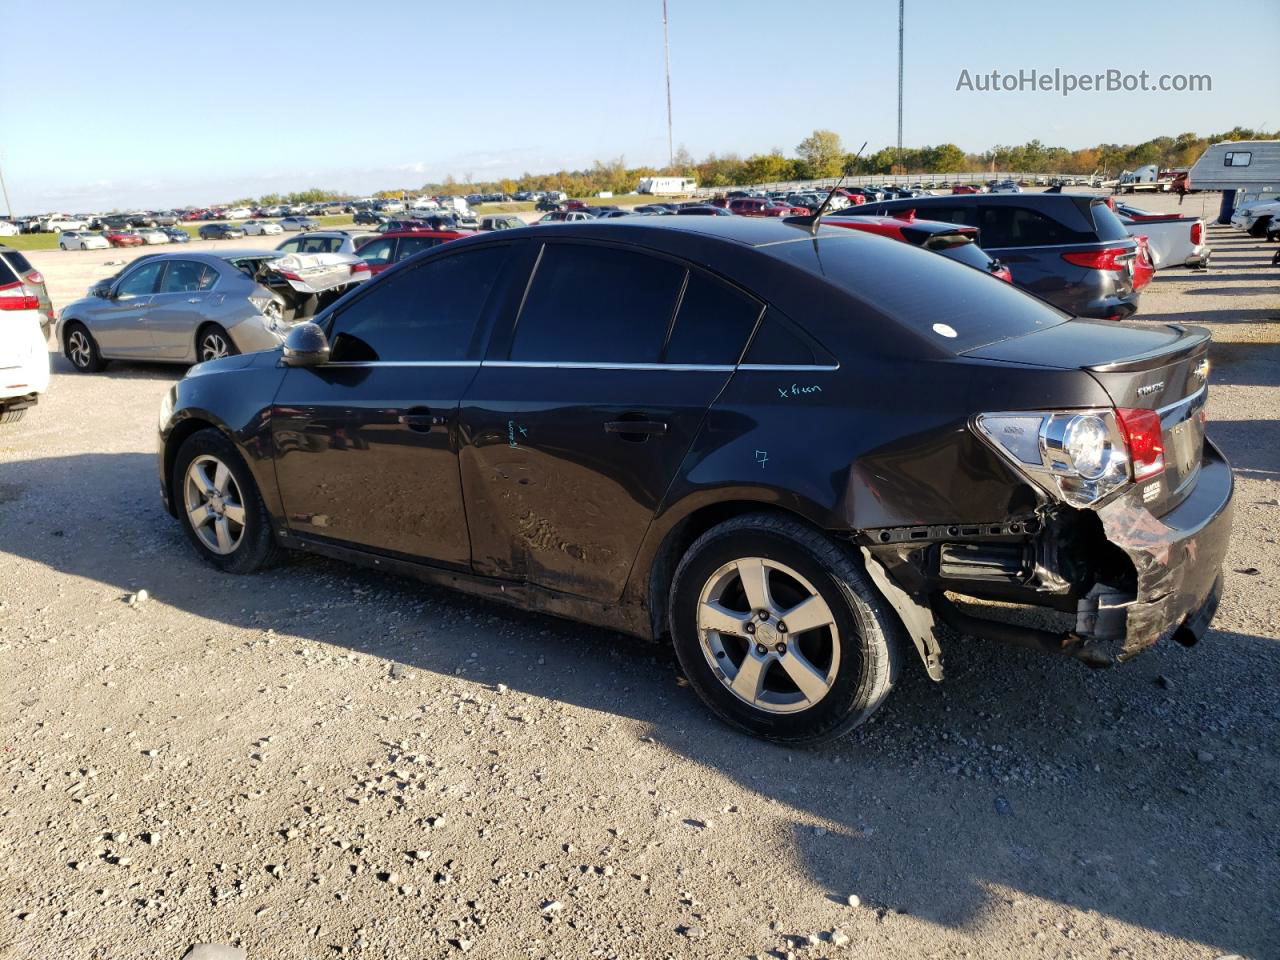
[636,431]
[421,419]
[195,299]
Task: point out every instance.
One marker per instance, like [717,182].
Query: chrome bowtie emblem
[1201,371]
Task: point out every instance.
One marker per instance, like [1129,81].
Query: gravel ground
[322,762]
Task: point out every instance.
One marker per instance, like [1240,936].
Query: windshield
[946,302]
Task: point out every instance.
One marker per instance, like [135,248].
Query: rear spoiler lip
[1193,340]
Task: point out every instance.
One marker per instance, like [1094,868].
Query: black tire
[80,349]
[257,547]
[1260,226]
[206,339]
[12,416]
[868,632]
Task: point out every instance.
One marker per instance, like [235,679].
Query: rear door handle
[421,419]
[195,299]
[636,429]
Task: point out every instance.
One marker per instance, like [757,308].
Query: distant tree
[821,154]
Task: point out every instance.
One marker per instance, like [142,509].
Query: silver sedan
[190,307]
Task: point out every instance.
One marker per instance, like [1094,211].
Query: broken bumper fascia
[1177,563]
[1178,557]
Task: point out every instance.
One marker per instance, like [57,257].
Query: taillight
[1143,435]
[16,296]
[1197,233]
[290,276]
[1109,259]
[359,267]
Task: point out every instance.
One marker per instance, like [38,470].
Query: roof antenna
[817,217]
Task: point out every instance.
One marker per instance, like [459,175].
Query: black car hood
[1094,344]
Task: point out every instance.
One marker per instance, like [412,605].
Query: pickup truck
[1172,241]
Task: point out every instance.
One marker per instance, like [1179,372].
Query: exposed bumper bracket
[1027,638]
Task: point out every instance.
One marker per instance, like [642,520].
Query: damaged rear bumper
[1132,579]
[1178,557]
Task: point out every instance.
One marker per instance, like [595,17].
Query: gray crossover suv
[191,307]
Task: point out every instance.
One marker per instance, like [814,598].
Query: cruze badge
[1151,388]
[1202,370]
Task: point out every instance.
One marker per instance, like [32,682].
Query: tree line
[822,154]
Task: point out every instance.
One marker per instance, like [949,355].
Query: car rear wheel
[213,343]
[82,350]
[780,630]
[219,504]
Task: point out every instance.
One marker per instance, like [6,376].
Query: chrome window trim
[577,365]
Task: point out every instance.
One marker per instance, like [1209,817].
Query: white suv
[24,352]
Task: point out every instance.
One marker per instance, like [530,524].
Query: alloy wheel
[769,635]
[213,346]
[214,504]
[78,347]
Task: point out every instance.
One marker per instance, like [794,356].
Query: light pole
[901,17]
[666,54]
[8,209]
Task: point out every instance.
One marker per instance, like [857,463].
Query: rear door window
[378,251]
[597,304]
[187,276]
[411,245]
[1007,226]
[713,322]
[428,313]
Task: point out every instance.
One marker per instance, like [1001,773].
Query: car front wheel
[781,632]
[219,504]
[81,349]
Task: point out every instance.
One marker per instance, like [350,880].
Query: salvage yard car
[1069,249]
[679,427]
[24,356]
[191,307]
[82,240]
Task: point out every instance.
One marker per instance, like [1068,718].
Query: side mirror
[305,346]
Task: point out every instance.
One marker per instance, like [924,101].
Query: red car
[965,188]
[123,238]
[758,207]
[387,249]
[954,241]
[853,198]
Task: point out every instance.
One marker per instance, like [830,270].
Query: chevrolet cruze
[793,451]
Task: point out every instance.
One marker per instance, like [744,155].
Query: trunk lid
[1161,367]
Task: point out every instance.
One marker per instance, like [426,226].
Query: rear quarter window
[1108,225]
[17,261]
[952,306]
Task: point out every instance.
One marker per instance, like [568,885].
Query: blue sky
[119,103]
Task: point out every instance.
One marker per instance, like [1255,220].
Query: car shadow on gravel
[1145,793]
[121,369]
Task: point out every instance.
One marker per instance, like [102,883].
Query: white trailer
[667,185]
[1250,165]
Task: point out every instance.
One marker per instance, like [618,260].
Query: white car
[82,240]
[24,352]
[1005,186]
[60,225]
[239,213]
[261,228]
[1255,218]
[8,229]
[152,235]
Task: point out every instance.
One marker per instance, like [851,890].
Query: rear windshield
[16,260]
[1108,224]
[968,253]
[7,276]
[953,306]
